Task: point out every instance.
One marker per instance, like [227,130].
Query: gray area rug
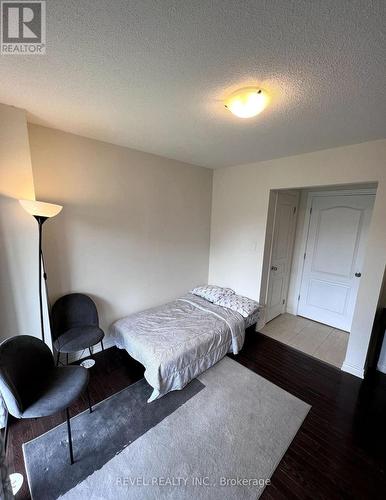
[219,438]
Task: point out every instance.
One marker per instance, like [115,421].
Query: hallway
[320,341]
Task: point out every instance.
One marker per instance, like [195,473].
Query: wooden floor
[114,370]
[339,452]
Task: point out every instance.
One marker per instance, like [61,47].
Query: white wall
[239,215]
[19,305]
[381,366]
[135,228]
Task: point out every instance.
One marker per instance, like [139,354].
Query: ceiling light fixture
[247,102]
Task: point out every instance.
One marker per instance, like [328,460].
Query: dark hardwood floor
[339,452]
[113,371]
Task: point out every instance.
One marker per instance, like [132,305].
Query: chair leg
[102,345]
[57,358]
[67,358]
[69,436]
[6,430]
[88,399]
[90,351]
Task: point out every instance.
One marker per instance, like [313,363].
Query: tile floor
[320,341]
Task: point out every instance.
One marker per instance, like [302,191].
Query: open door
[284,225]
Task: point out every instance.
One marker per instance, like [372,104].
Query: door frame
[271,229]
[306,226]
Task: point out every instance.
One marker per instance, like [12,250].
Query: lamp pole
[42,211]
[41,220]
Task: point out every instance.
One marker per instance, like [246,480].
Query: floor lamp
[41,211]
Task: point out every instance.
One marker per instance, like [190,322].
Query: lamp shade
[40,208]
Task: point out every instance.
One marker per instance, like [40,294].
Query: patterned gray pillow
[212,292]
[238,303]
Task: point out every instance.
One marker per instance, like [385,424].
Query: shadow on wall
[19,278]
[105,309]
[55,244]
[118,257]
[7,290]
[64,273]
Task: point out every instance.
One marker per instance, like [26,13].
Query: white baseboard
[292,310]
[354,370]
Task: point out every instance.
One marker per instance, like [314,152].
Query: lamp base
[87,363]
[16,480]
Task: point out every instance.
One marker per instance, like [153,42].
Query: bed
[179,340]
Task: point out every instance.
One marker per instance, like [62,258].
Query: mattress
[179,340]
[254,318]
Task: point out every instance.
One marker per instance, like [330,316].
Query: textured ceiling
[151,75]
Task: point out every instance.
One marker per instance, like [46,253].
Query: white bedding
[179,340]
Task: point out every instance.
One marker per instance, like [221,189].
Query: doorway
[284,225]
[314,266]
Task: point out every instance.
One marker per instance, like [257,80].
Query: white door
[334,256]
[281,255]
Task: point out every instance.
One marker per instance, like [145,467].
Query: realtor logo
[23,28]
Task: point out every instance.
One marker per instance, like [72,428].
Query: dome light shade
[40,208]
[247,102]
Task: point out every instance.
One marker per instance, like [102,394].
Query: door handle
[358,275]
[273,268]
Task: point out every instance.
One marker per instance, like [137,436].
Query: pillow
[238,303]
[212,292]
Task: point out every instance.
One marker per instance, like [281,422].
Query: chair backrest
[25,363]
[73,310]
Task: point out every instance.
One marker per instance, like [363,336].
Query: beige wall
[135,228]
[19,306]
[239,215]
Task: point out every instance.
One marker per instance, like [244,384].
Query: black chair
[75,325]
[32,386]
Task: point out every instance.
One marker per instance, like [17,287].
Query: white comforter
[177,341]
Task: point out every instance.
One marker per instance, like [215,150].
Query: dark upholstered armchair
[32,386]
[75,324]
